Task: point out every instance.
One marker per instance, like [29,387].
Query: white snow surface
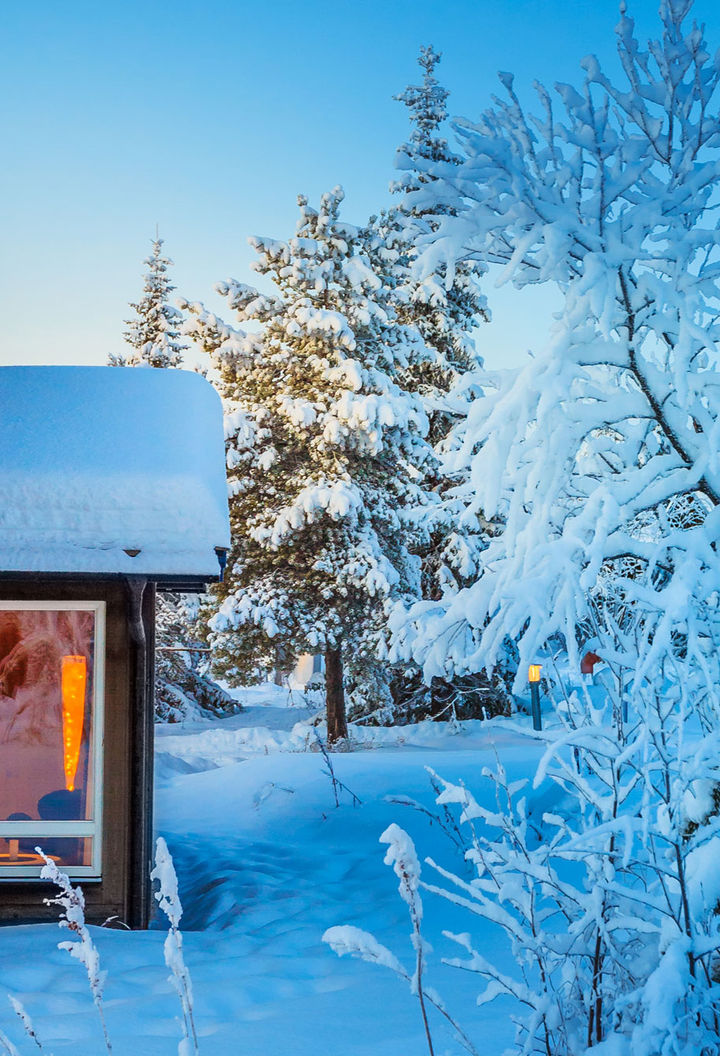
[100,460]
[267,864]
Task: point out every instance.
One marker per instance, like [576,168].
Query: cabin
[112,487]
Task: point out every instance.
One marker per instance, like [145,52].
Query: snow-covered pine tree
[447,307]
[181,684]
[154,333]
[325,455]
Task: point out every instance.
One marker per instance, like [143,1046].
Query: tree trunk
[281,666]
[437,703]
[335,696]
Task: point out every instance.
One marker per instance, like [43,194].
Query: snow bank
[267,865]
[99,461]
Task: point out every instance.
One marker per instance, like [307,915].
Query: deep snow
[99,461]
[267,863]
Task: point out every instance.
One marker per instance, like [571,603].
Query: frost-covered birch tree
[325,456]
[601,460]
[154,331]
[601,456]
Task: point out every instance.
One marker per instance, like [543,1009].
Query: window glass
[46,730]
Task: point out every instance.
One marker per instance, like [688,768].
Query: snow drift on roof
[95,461]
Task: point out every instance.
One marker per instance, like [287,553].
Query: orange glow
[534,672]
[74,678]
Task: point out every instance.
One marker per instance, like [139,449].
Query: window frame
[94,828]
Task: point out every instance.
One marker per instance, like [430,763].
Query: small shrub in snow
[610,903]
[468,696]
[402,857]
[612,913]
[72,903]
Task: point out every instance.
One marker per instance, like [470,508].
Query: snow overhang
[111,470]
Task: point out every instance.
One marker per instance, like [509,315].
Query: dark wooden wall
[123,891]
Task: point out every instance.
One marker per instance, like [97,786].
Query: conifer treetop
[427,103]
[154,333]
[446,305]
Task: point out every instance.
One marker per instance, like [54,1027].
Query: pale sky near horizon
[209,118]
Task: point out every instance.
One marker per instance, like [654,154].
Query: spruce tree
[181,684]
[325,456]
[154,333]
[446,308]
[446,373]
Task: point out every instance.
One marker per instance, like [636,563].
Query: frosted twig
[402,857]
[445,820]
[8,1047]
[169,902]
[72,903]
[19,1010]
[337,784]
[358,943]
[361,944]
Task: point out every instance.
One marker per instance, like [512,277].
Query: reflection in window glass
[67,851]
[46,694]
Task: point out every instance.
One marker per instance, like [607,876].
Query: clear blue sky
[209,118]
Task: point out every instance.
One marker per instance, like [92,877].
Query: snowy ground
[267,862]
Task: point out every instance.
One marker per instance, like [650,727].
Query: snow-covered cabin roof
[98,461]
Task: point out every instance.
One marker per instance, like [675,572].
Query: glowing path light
[74,679]
[534,680]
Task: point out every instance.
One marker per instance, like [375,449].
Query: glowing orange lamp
[74,680]
[534,680]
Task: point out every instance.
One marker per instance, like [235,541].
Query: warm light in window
[534,672]
[74,677]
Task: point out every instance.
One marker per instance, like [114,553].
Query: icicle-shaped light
[74,679]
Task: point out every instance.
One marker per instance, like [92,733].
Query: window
[51,735]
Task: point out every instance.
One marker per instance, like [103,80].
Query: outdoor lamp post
[534,680]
